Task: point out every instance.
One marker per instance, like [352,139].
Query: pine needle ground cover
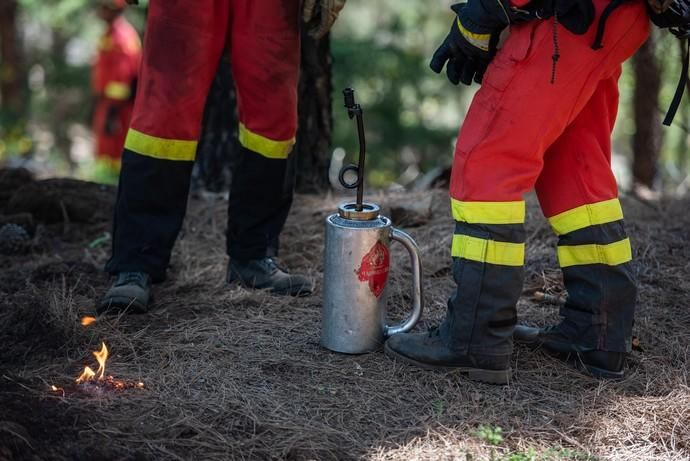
[236,374]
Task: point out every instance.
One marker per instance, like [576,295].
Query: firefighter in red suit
[541,120]
[113,82]
[183,45]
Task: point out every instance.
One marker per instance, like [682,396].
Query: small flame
[101,357]
[100,380]
[54,388]
[86,375]
[88,320]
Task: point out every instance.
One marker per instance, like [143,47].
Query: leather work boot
[131,292]
[429,351]
[265,274]
[555,340]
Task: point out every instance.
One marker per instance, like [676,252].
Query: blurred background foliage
[380,48]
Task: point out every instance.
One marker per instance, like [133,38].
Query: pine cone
[13,239]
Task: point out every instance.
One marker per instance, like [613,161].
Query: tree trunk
[216,154]
[647,139]
[11,64]
[311,156]
[310,159]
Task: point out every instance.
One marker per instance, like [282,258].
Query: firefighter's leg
[579,196]
[515,116]
[265,57]
[184,42]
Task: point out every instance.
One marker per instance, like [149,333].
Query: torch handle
[417,290]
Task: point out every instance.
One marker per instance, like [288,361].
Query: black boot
[265,274]
[131,293]
[559,340]
[429,351]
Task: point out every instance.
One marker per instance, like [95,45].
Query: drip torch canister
[357,263]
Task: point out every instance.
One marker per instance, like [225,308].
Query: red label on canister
[374,268]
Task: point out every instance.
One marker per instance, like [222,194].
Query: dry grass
[233,374]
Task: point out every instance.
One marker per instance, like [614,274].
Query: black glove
[672,15]
[471,43]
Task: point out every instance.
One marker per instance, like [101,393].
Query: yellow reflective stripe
[161,148]
[105,161]
[105,43]
[612,254]
[488,251]
[481,41]
[587,215]
[117,90]
[489,212]
[264,146]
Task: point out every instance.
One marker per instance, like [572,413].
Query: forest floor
[238,374]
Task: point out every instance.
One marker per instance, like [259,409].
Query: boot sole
[573,358]
[118,304]
[475,374]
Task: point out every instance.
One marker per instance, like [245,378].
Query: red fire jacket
[113,78]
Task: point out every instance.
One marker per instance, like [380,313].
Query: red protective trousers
[522,133]
[183,48]
[114,73]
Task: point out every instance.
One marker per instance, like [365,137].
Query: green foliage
[494,436]
[490,435]
[60,39]
[412,115]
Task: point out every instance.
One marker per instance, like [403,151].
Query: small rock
[14,239]
[25,220]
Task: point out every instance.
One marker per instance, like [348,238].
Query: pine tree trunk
[648,137]
[311,156]
[11,64]
[215,155]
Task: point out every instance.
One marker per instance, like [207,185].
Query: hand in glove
[660,6]
[471,44]
[320,15]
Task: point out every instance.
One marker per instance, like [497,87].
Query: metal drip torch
[357,264]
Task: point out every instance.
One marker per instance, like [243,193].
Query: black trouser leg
[599,278]
[151,204]
[260,199]
[488,269]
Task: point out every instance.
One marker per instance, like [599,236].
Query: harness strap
[680,89]
[601,26]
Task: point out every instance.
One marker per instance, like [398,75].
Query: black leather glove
[471,43]
[671,14]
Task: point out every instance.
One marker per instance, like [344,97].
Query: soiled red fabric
[114,70]
[522,131]
[183,45]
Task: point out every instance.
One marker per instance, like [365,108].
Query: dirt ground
[234,374]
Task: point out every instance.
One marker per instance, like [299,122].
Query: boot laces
[136,278]
[271,266]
